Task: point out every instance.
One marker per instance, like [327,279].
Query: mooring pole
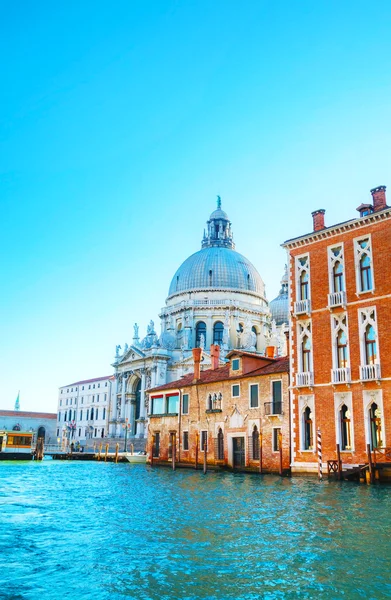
[319,448]
[107,449]
[260,452]
[153,449]
[280,450]
[100,450]
[116,452]
[205,464]
[339,462]
[173,444]
[196,452]
[370,465]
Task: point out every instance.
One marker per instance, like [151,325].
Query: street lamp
[126,426]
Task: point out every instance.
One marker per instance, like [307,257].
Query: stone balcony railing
[336,299]
[341,375]
[305,379]
[302,307]
[370,372]
[273,408]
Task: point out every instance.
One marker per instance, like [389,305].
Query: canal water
[99,531]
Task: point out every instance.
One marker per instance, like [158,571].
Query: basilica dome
[279,307]
[217,266]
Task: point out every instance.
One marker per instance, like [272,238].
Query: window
[346,442]
[97,397]
[375,423]
[342,350]
[276,439]
[235,364]
[307,429]
[157,405]
[106,384]
[79,431]
[67,390]
[66,402]
[71,389]
[58,432]
[303,278]
[61,391]
[156,445]
[370,345]
[254,395]
[204,441]
[102,434]
[277,397]
[82,387]
[93,398]
[200,334]
[304,286]
[105,397]
[98,385]
[255,443]
[220,445]
[59,416]
[93,386]
[172,403]
[214,402]
[185,404]
[306,354]
[87,419]
[218,332]
[185,440]
[364,268]
[89,387]
[92,413]
[96,414]
[95,431]
[82,399]
[236,390]
[104,413]
[60,402]
[81,415]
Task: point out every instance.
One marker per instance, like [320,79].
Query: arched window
[200,330]
[375,421]
[304,285]
[65,416]
[218,331]
[370,345]
[220,445]
[342,350]
[255,443]
[306,354]
[365,273]
[338,277]
[344,413]
[307,429]
[92,413]
[210,402]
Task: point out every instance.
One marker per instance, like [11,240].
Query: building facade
[340,347]
[238,413]
[83,410]
[43,425]
[215,297]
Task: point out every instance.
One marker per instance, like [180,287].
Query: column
[141,424]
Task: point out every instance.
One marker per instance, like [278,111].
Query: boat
[16,445]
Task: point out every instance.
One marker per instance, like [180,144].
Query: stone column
[132,415]
[141,425]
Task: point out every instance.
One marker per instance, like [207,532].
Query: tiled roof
[247,353]
[32,415]
[88,381]
[279,365]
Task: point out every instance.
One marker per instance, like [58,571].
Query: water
[108,532]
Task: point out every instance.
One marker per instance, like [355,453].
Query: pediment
[132,354]
[236,420]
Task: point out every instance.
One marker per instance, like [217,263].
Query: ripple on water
[105,531]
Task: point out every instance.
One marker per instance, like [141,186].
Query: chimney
[197,352]
[215,355]
[318,218]
[379,197]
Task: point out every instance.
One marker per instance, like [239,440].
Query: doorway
[238,452]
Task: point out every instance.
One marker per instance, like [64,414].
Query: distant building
[240,412]
[83,409]
[42,424]
[340,302]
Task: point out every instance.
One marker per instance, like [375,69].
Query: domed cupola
[219,230]
[279,307]
[217,266]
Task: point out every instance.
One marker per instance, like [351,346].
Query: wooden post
[339,462]
[196,452]
[116,452]
[260,451]
[100,450]
[107,449]
[205,449]
[319,449]
[153,450]
[280,451]
[370,463]
[173,446]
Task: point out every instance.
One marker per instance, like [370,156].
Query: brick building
[340,346]
[239,411]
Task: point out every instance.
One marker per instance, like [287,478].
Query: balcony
[340,375]
[302,307]
[337,299]
[305,379]
[369,372]
[273,408]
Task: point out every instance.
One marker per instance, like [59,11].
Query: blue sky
[121,121]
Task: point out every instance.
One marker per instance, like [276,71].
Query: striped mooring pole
[319,449]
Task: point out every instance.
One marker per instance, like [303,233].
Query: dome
[217,267]
[219,214]
[279,307]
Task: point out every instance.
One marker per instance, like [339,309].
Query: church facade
[216,296]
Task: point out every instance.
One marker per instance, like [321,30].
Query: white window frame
[232,390]
[298,271]
[188,404]
[188,440]
[305,401]
[304,328]
[332,259]
[250,385]
[339,400]
[369,397]
[336,320]
[358,252]
[362,324]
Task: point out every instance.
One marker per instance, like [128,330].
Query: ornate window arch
[218,332]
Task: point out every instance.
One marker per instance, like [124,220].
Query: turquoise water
[105,532]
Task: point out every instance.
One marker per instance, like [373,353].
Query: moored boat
[16,445]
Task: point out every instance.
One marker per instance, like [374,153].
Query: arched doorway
[41,432]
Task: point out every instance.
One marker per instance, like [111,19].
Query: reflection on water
[105,531]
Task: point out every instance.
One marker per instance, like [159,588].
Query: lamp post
[126,426]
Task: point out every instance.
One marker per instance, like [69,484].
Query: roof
[88,381]
[31,415]
[277,365]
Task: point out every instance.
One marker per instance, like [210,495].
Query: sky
[120,123]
